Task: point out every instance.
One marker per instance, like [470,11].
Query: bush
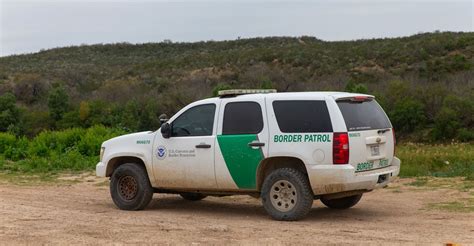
[58,103]
[356,88]
[9,112]
[17,151]
[446,124]
[6,140]
[465,134]
[71,149]
[407,115]
[453,115]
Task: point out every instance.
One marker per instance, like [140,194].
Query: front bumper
[329,179]
[100,169]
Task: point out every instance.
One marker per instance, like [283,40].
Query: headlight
[102,150]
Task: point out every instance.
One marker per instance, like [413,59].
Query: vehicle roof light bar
[236,92]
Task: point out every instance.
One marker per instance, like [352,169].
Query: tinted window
[302,116]
[196,121]
[242,118]
[365,115]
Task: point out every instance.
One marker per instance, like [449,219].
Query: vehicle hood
[133,138]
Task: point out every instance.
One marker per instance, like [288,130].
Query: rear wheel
[286,194]
[192,196]
[130,187]
[342,203]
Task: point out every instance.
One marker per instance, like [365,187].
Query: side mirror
[166,130]
[163,118]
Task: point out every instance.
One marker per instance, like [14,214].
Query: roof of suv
[315,95]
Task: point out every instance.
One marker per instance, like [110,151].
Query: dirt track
[83,213]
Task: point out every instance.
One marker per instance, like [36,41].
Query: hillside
[420,80]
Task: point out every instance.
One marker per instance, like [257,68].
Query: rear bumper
[329,179]
[100,169]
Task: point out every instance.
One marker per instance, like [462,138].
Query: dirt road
[83,213]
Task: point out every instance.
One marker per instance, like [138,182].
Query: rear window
[366,115]
[242,118]
[302,116]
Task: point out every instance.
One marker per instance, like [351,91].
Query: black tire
[286,194]
[192,196]
[342,203]
[130,187]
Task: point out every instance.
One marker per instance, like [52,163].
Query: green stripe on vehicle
[241,160]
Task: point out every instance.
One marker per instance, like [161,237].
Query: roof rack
[236,92]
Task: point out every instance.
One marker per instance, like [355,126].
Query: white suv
[287,148]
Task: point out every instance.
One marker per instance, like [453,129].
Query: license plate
[375,150]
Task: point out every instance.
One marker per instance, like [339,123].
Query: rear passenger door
[242,137]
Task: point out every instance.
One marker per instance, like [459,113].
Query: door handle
[256,144]
[203,146]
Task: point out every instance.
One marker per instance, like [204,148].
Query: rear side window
[242,118]
[366,115]
[302,116]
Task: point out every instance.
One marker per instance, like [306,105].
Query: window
[364,115]
[196,121]
[242,118]
[302,116]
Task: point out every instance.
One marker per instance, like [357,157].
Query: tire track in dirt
[83,213]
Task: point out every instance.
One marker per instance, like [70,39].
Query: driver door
[186,159]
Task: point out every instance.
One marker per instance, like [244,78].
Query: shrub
[446,124]
[465,134]
[407,115]
[356,88]
[71,149]
[9,112]
[58,103]
[18,150]
[6,140]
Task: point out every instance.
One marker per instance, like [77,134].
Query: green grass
[465,205]
[458,183]
[440,160]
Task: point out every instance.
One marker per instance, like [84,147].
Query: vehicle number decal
[383,163]
[143,141]
[365,166]
[354,135]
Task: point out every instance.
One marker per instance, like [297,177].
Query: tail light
[359,98]
[394,141]
[340,148]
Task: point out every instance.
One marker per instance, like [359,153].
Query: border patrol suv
[287,148]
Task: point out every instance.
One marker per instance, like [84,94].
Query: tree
[58,103]
[9,112]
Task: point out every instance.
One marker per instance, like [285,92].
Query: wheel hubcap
[283,196]
[127,187]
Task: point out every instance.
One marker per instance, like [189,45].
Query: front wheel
[342,203]
[130,187]
[286,194]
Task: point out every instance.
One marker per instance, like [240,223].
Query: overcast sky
[29,26]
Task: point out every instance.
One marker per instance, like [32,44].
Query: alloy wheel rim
[283,195]
[128,187]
